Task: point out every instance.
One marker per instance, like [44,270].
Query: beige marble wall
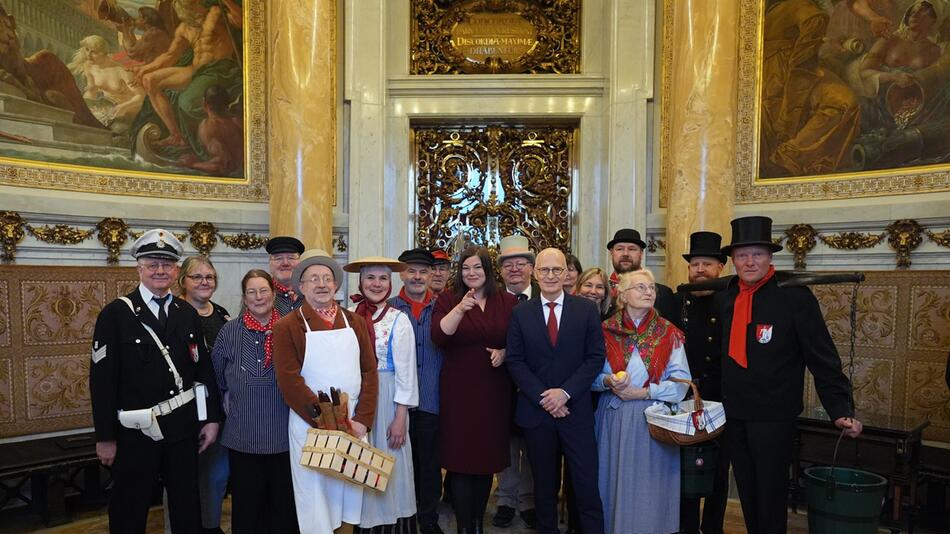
[302,114]
[702,109]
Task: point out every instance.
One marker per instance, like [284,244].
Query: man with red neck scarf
[626,255]
[771,334]
[417,301]
[285,254]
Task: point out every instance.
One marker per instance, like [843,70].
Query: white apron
[331,358]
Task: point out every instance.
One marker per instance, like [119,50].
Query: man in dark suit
[555,350]
[771,334]
[697,318]
[151,416]
[626,255]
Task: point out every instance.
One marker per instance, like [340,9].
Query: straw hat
[382,261]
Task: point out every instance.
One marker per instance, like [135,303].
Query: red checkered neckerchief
[251,323]
[328,314]
[281,288]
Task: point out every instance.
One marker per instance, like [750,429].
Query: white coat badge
[763,333]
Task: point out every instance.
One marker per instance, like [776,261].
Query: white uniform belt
[172,404]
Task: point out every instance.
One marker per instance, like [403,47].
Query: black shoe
[530,519]
[430,529]
[215,530]
[479,527]
[503,517]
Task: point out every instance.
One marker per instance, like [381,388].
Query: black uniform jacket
[696,316]
[129,372]
[786,334]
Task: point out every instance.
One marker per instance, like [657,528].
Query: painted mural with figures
[134,85]
[47,317]
[902,341]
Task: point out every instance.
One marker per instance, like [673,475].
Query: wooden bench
[51,466]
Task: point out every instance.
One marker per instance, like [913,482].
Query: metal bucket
[843,501]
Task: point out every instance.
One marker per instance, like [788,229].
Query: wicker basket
[340,455]
[677,438]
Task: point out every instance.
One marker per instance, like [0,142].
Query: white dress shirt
[152,305]
[546,310]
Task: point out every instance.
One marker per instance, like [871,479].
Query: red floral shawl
[655,339]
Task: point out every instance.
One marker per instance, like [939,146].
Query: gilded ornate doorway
[477,184]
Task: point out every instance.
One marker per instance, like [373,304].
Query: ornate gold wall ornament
[61,234]
[113,233]
[244,241]
[479,184]
[495,36]
[655,244]
[940,238]
[800,241]
[203,236]
[11,231]
[339,243]
[904,236]
[852,240]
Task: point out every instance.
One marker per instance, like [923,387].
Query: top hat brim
[708,254]
[638,242]
[526,255]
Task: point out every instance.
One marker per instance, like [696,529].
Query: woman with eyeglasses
[644,351]
[470,324]
[196,284]
[255,433]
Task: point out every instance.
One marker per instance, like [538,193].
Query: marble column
[302,113]
[703,93]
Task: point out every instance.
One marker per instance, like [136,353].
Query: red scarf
[281,288]
[251,323]
[417,307]
[742,316]
[367,309]
[655,339]
[328,314]
[613,281]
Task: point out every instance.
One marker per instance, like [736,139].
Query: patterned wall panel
[47,316]
[902,341]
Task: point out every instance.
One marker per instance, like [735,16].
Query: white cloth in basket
[714,416]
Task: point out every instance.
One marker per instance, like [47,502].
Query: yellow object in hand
[619,375]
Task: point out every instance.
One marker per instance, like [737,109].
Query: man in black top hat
[417,301]
[697,318]
[155,402]
[626,254]
[284,253]
[770,335]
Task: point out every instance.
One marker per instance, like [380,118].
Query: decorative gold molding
[852,240]
[904,236]
[654,244]
[244,241]
[61,234]
[556,50]
[800,241]
[112,233]
[11,232]
[252,188]
[203,236]
[339,243]
[940,238]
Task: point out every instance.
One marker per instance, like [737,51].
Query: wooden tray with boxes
[341,455]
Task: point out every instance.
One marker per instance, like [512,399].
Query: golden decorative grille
[475,185]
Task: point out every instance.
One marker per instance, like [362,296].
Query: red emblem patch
[763,333]
[193,350]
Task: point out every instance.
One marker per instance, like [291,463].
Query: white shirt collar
[147,293]
[526,292]
[559,300]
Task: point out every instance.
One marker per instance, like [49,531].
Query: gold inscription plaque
[495,36]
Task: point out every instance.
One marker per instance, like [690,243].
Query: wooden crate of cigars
[341,455]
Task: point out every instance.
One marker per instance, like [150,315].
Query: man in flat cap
[441,268]
[699,320]
[285,254]
[155,402]
[417,300]
[626,255]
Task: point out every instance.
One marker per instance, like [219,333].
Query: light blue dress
[639,477]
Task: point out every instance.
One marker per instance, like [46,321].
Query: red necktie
[552,323]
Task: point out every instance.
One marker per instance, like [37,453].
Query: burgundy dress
[475,398]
